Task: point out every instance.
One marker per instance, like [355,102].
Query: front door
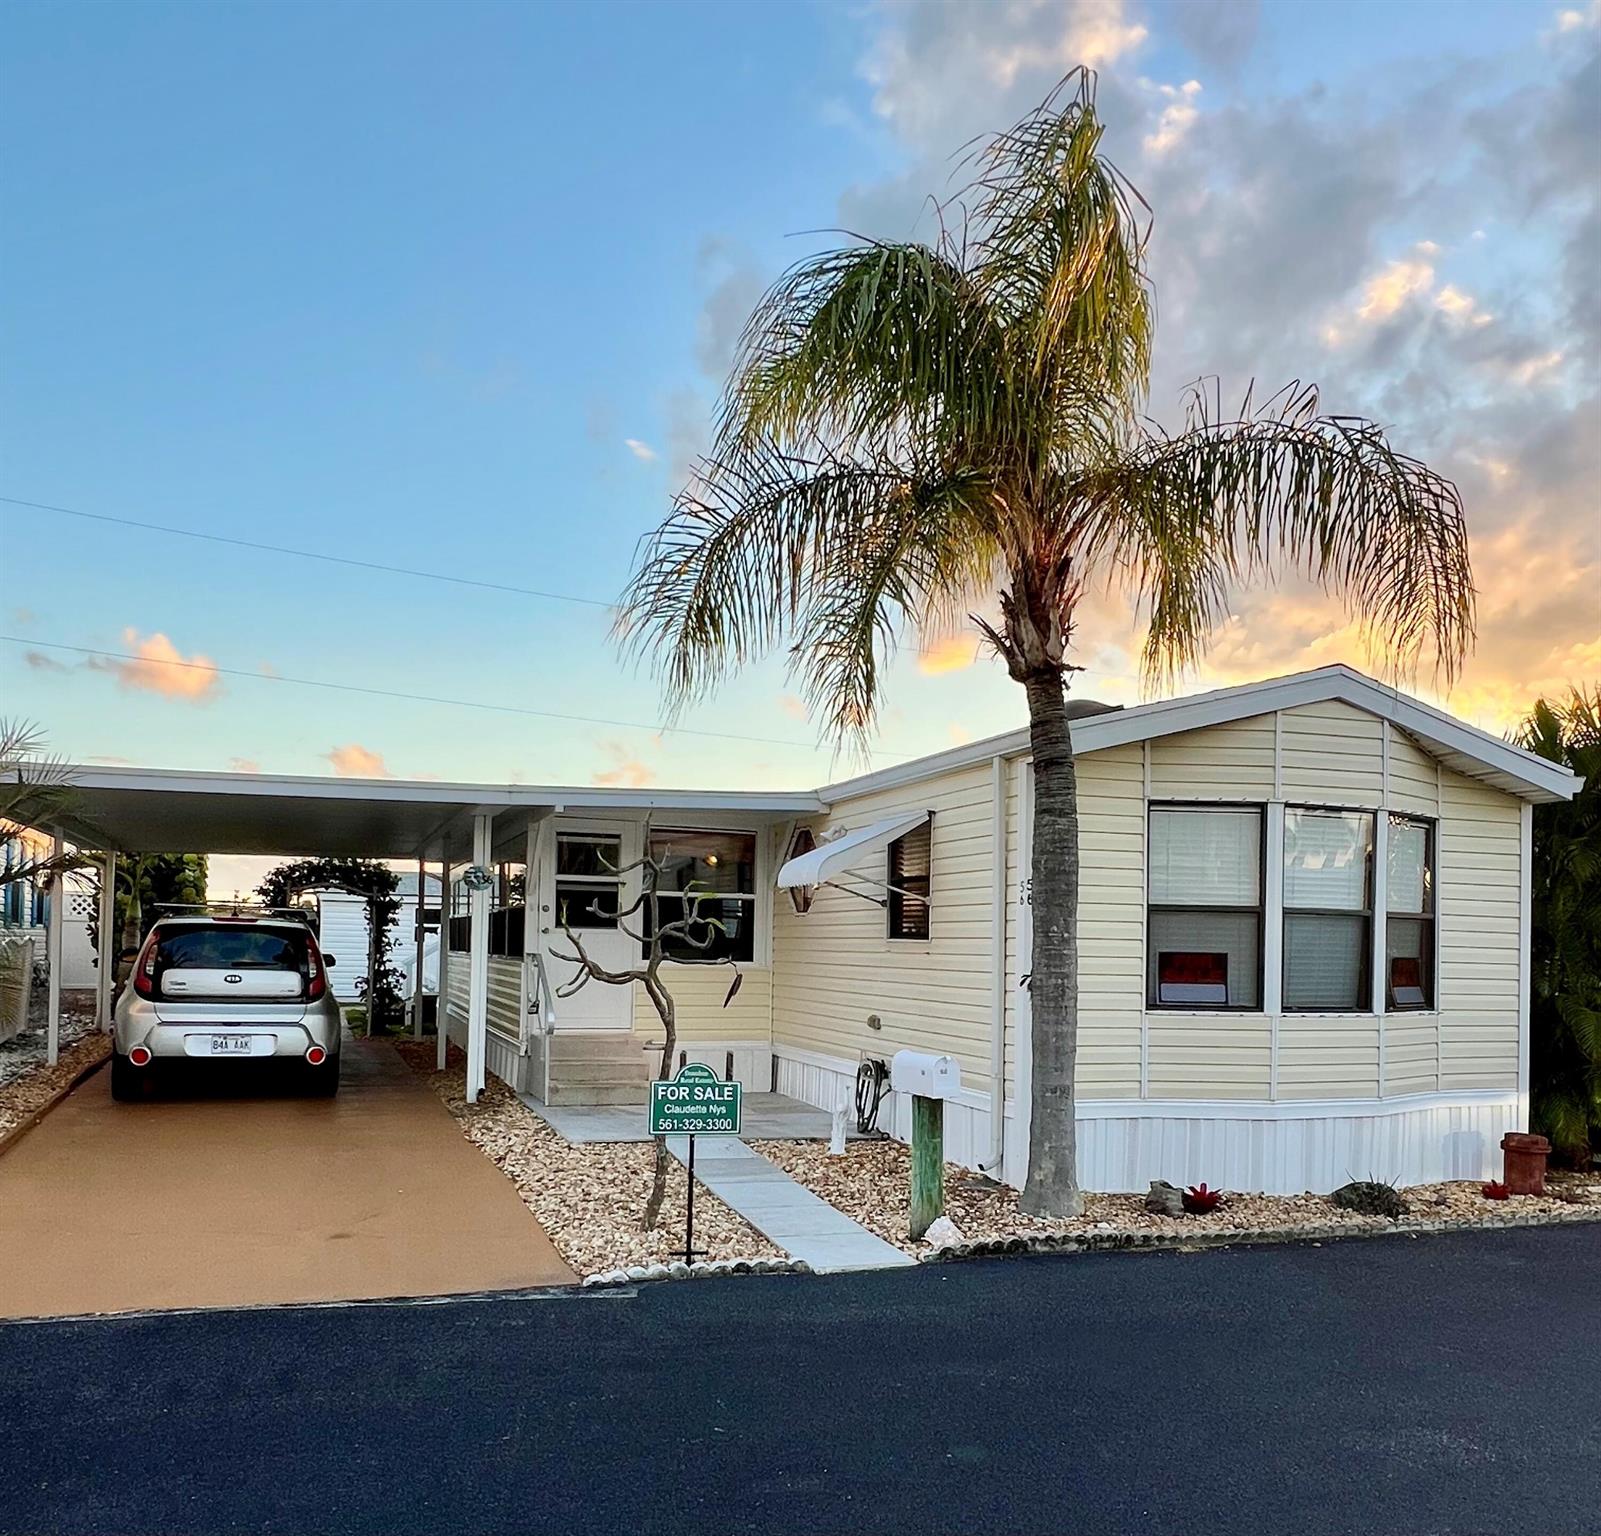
[585,892]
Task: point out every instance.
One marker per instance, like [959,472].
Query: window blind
[1206,858]
[1326,857]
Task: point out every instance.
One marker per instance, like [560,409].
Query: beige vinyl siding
[1333,754]
[834,966]
[698,993]
[1414,777]
[1328,1056]
[1222,762]
[1111,921]
[1209,1055]
[1479,883]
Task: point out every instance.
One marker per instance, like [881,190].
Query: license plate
[230,1045]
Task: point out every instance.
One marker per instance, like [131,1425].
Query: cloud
[626,772]
[642,451]
[1533,368]
[24,617]
[42,663]
[736,286]
[1176,119]
[353,761]
[1385,293]
[1579,20]
[158,666]
[954,653]
[793,706]
[243,765]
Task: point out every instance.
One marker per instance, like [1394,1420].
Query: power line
[308,554]
[413,698]
[394,570]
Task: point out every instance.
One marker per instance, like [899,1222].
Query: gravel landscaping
[25,1051]
[870,1182]
[588,1198]
[31,1087]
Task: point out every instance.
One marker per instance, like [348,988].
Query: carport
[462,829]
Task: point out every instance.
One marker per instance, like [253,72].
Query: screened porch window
[1409,915]
[719,868]
[1204,918]
[1328,910]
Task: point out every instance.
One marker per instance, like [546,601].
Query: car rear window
[232,949]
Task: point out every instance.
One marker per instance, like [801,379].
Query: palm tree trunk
[1052,1187]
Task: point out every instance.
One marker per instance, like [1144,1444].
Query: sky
[452,288]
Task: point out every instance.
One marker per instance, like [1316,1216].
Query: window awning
[823,863]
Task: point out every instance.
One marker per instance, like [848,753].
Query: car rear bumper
[194,1042]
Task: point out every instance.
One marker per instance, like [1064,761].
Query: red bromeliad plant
[1495,1190]
[1201,1201]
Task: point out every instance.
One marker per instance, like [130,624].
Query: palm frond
[863,347]
[1060,244]
[1285,489]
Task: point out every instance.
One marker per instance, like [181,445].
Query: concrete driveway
[227,1202]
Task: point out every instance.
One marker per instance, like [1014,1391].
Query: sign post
[695,1103]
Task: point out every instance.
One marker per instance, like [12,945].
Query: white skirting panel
[753,1060]
[1284,1148]
[502,1056]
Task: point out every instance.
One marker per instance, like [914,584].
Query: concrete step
[611,1046]
[596,1093]
[599,1072]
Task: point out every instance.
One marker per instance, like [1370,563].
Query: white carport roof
[162,810]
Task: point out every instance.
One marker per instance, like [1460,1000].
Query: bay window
[1204,907]
[1409,915]
[720,869]
[1328,910]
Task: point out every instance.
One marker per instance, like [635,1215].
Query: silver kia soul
[230,989]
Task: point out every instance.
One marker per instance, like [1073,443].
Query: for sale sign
[696,1103]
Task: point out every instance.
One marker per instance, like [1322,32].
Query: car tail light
[316,1055]
[140,1056]
[144,970]
[316,976]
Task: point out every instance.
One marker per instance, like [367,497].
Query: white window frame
[1263,916]
[1374,895]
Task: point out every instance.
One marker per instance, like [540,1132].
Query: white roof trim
[822,863]
[1464,748]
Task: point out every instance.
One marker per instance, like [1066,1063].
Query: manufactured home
[1303,931]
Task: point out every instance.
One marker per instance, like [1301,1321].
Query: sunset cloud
[354,761]
[952,654]
[793,705]
[641,451]
[156,665]
[626,772]
[243,765]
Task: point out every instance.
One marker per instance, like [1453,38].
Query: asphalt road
[1401,1385]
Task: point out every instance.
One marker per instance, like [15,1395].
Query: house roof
[1464,748]
[160,810]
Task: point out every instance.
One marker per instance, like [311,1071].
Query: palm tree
[1565,946]
[35,795]
[911,430]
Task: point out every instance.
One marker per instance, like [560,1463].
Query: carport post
[106,960]
[478,968]
[58,912]
[416,986]
[441,1012]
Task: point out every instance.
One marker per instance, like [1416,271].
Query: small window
[713,876]
[587,882]
[1328,910]
[1204,922]
[1409,919]
[911,864]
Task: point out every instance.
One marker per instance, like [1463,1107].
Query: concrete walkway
[783,1211]
[263,1197]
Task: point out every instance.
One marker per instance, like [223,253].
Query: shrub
[1200,1201]
[1370,1197]
[1495,1190]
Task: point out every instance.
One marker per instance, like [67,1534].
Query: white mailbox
[925,1074]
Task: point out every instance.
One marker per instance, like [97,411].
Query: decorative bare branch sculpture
[691,932]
